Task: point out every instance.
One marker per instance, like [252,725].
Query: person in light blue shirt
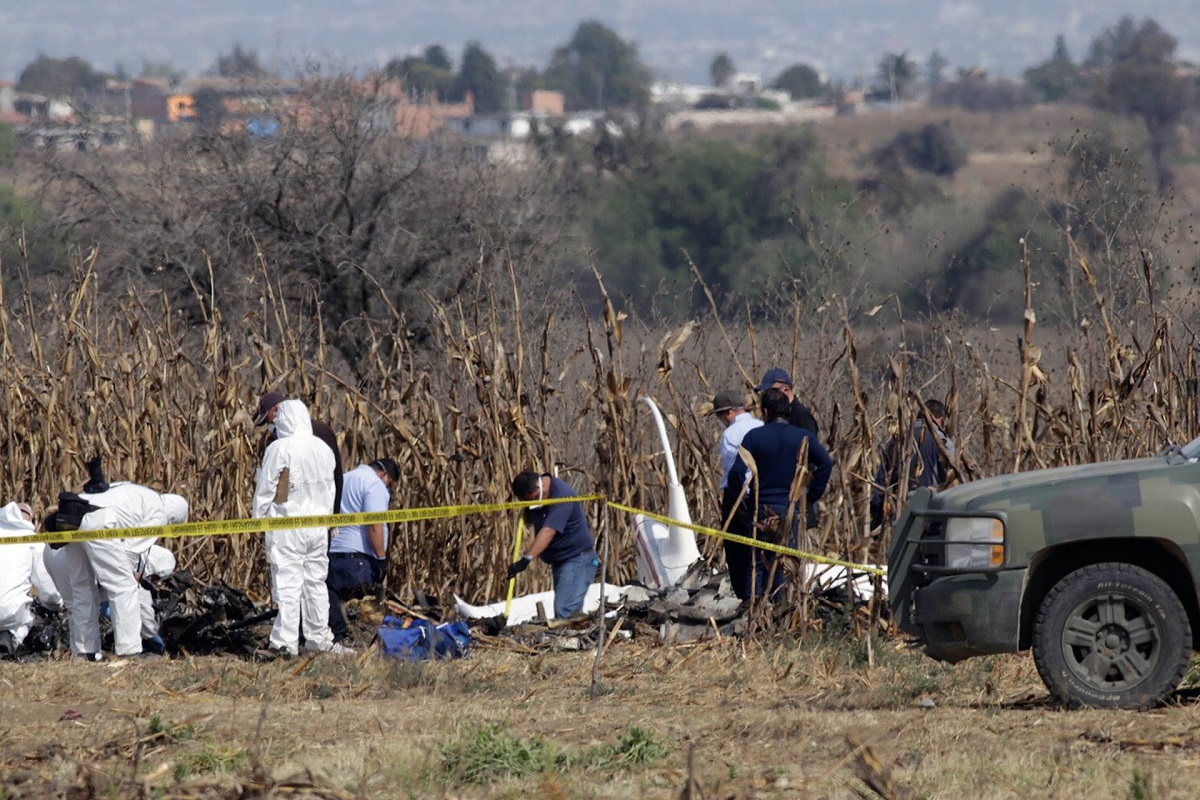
[357,554]
[729,409]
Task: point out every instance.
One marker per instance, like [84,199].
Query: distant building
[545,101]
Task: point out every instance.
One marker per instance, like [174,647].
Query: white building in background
[679,95]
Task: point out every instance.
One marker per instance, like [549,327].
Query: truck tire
[1111,635]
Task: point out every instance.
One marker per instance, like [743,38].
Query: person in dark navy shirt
[561,539]
[775,448]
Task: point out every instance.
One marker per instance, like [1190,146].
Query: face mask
[539,495]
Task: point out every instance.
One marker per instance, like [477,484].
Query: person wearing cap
[268,405]
[357,553]
[296,480]
[775,449]
[729,409]
[798,413]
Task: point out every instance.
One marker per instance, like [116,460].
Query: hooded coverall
[297,556]
[112,563]
[16,574]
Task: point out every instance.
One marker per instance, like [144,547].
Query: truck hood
[982,493]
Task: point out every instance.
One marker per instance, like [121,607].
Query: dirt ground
[727,719]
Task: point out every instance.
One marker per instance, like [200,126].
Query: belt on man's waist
[351,555]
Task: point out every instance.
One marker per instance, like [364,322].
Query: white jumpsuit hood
[16,573]
[298,556]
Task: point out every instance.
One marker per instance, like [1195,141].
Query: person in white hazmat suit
[296,480]
[114,564]
[157,562]
[20,570]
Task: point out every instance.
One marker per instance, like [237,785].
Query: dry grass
[761,719]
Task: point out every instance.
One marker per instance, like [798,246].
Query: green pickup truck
[1092,566]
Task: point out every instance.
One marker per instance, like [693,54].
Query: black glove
[96,482]
[517,567]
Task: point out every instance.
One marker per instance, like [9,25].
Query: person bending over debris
[562,539]
[357,553]
[111,563]
[296,480]
[775,448]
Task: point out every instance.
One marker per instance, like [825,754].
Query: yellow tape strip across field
[232,526]
[733,537]
[235,526]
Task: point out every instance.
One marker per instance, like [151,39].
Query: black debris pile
[49,633]
[203,620]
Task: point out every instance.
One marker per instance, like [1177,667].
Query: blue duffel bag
[422,639]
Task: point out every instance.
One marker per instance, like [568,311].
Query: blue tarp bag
[423,640]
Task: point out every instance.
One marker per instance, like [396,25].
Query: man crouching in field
[562,540]
[296,480]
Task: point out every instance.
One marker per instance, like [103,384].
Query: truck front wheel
[1111,635]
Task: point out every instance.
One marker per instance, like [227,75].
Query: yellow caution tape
[236,526]
[733,537]
[233,526]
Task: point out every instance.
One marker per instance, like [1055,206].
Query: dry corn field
[168,402]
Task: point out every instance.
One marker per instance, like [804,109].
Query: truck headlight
[986,542]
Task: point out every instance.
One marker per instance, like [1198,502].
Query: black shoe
[8,645]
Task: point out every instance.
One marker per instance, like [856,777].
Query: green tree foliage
[745,216]
[934,149]
[1140,81]
[800,81]
[8,146]
[721,69]
[430,75]
[1057,78]
[23,239]
[240,63]
[437,57]
[480,76]
[59,77]
[984,276]
[597,69]
[973,90]
[896,78]
[894,190]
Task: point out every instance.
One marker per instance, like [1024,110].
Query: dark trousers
[350,575]
[752,565]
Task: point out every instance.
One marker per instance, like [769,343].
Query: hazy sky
[677,38]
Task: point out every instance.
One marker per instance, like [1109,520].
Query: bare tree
[354,223]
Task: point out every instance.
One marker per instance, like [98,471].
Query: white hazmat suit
[296,480]
[113,563]
[18,562]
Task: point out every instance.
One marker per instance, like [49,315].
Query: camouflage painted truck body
[1056,560]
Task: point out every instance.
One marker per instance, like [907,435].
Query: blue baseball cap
[772,377]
